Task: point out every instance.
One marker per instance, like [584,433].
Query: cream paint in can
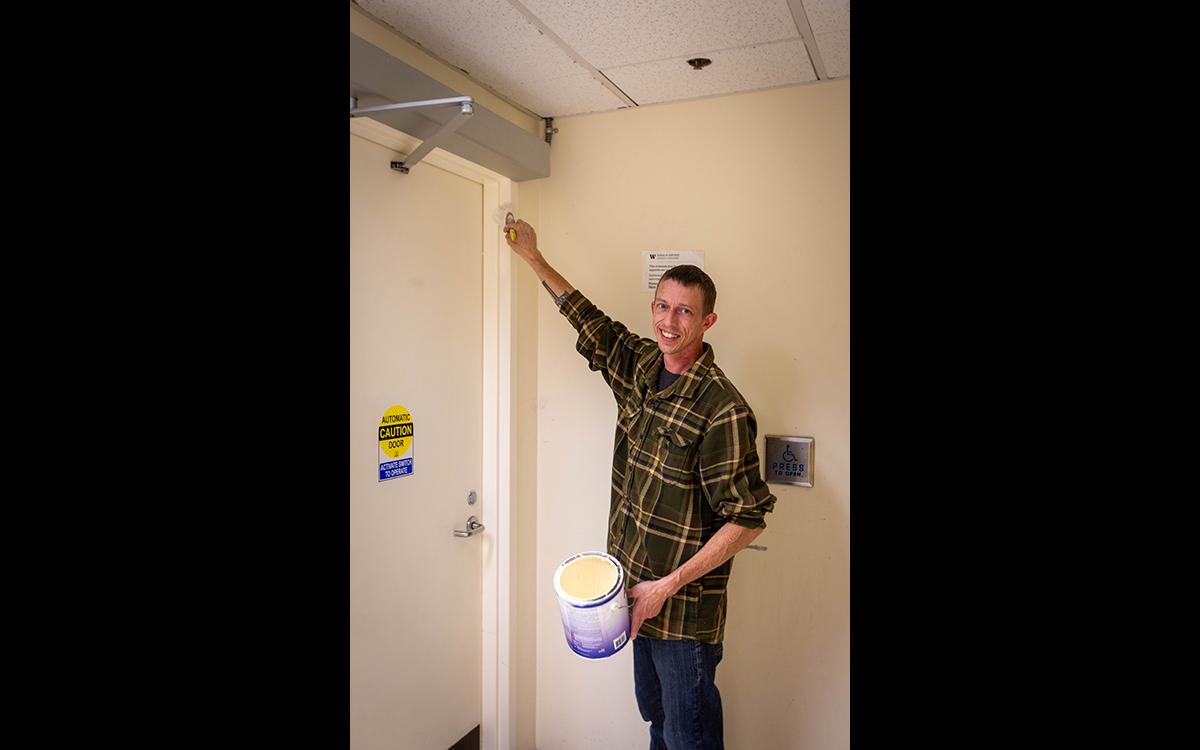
[596,623]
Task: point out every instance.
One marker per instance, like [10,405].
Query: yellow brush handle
[512,235]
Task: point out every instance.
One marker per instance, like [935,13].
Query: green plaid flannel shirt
[684,464]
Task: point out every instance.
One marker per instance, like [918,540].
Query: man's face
[679,319]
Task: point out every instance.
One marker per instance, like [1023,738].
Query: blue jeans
[673,681]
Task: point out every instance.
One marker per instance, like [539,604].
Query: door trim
[498,725]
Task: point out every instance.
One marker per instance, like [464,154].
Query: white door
[416,303]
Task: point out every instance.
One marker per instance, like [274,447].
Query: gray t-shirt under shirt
[665,378]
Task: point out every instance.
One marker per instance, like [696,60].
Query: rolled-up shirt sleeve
[729,469]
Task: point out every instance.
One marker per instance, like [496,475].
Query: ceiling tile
[612,33]
[571,95]
[641,45]
[543,91]
[828,15]
[489,39]
[732,70]
[835,52]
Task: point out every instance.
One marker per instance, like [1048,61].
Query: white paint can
[591,599]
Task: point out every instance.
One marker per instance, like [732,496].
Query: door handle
[473,528]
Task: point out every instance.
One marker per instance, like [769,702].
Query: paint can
[591,599]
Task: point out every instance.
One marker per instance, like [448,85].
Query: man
[686,490]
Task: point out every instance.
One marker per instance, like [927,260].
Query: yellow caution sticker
[395,443]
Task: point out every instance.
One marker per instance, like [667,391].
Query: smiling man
[687,494]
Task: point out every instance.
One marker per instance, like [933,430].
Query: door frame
[498,725]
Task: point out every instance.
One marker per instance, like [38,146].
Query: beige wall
[760,183]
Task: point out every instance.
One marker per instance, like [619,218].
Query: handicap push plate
[789,460]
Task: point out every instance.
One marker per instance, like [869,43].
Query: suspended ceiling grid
[565,57]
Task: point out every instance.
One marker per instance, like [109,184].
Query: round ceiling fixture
[699,62]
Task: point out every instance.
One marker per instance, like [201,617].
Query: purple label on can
[598,631]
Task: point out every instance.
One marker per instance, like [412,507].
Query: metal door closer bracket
[466,108]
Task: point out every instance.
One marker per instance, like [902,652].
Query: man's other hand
[648,598]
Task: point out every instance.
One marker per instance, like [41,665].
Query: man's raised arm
[526,246]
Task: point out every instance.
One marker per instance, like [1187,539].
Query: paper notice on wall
[655,264]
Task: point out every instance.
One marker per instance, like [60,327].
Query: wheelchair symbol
[788,456]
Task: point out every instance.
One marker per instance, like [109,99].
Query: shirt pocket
[678,455]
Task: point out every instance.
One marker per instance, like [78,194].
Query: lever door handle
[473,528]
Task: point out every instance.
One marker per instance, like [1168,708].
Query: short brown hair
[693,276]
